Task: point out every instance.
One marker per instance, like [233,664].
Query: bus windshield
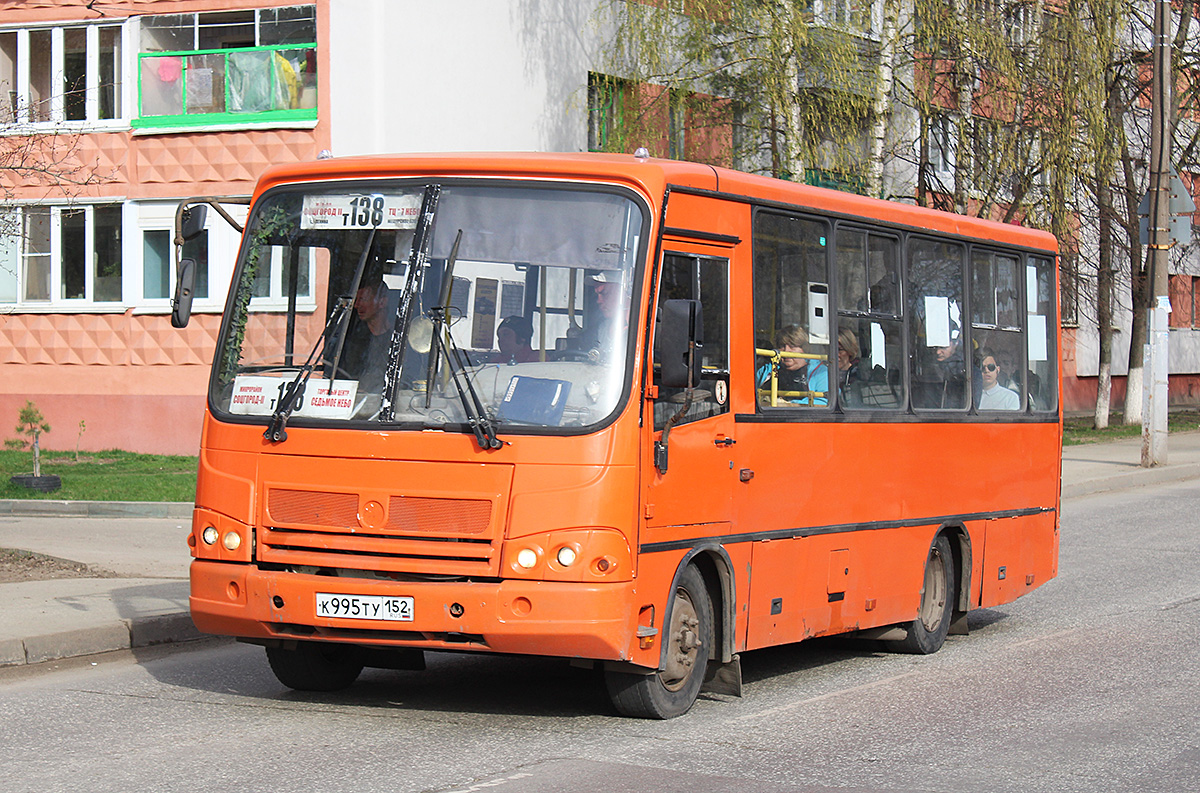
[480,307]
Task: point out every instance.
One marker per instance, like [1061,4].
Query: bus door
[690,482]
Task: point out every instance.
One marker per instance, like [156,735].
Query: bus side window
[791,312]
[998,368]
[938,358]
[869,327]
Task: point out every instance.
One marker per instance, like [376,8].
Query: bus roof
[652,176]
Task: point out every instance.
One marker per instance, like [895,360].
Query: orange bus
[636,413]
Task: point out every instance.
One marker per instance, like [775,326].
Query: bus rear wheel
[927,633]
[672,690]
[316,666]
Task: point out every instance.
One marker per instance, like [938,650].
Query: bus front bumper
[573,620]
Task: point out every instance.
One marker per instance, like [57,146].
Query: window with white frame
[273,285]
[1022,23]
[853,15]
[227,67]
[158,264]
[61,255]
[150,281]
[941,146]
[69,73]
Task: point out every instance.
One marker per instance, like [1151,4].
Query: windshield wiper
[276,431]
[477,418]
[409,297]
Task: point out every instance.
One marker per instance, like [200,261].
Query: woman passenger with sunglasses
[994,395]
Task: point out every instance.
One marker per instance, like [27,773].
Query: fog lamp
[210,535]
[566,556]
[232,540]
[527,558]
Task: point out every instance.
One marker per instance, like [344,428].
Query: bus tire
[316,666]
[927,632]
[671,691]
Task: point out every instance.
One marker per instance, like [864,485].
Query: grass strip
[111,475]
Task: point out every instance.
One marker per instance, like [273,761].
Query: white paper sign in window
[258,395]
[937,321]
[1037,337]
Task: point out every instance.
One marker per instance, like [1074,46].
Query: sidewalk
[146,546]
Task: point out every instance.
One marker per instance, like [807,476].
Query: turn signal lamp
[232,541]
[527,558]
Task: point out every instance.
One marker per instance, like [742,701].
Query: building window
[158,264]
[1022,23]
[61,74]
[228,68]
[606,109]
[61,255]
[853,15]
[941,148]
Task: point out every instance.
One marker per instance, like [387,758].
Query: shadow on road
[479,684]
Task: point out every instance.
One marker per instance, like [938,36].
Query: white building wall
[460,75]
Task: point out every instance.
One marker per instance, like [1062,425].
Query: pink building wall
[136,382]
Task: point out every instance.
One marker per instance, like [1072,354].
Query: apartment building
[132,106]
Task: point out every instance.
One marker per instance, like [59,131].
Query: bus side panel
[834,583]
[777,593]
[1019,555]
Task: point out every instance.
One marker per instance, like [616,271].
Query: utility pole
[1154,413]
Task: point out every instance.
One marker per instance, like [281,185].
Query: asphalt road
[1088,684]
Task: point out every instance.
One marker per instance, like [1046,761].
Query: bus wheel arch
[960,547]
[687,637]
[724,674]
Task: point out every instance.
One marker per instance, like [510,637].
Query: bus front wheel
[672,690]
[927,632]
[316,666]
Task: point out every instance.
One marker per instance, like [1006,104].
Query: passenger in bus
[365,353]
[849,381]
[1008,371]
[940,380]
[514,337]
[800,380]
[995,396]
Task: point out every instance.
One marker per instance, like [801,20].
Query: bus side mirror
[192,223]
[681,325]
[185,287]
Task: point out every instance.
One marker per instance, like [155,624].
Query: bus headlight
[216,536]
[583,554]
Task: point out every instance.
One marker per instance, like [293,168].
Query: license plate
[364,607]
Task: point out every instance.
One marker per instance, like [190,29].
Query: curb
[1137,478]
[95,509]
[122,635]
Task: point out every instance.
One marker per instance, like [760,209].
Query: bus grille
[415,534]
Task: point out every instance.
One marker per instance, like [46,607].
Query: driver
[606,329]
[369,336]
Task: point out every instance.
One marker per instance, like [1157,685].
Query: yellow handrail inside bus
[776,356]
